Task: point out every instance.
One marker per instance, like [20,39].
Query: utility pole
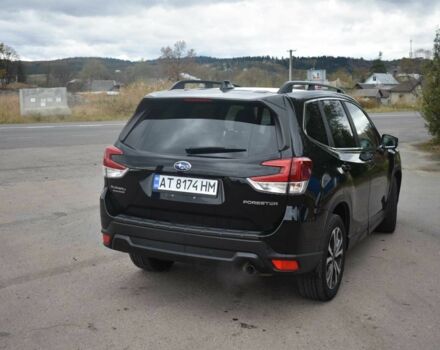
[410,49]
[290,63]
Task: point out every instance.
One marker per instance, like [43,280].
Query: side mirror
[389,142]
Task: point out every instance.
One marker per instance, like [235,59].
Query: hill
[248,70]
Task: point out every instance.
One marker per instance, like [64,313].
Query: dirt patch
[430,146]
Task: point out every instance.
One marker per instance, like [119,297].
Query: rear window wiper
[206,150]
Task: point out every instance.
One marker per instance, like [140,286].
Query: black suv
[272,180]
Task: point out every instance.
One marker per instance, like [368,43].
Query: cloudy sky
[135,29]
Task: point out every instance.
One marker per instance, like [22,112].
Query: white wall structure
[44,101]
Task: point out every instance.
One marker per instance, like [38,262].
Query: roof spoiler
[309,85]
[224,85]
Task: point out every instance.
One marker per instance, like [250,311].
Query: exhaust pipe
[249,268]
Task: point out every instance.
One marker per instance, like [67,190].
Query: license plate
[185,185]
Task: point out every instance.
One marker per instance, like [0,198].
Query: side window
[368,136]
[339,125]
[314,124]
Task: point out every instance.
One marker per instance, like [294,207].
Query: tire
[150,264]
[323,283]
[388,225]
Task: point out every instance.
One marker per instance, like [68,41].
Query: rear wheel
[388,225]
[323,283]
[150,264]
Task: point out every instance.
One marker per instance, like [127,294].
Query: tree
[343,75]
[21,76]
[431,91]
[378,66]
[59,73]
[422,53]
[140,71]
[408,65]
[94,69]
[8,64]
[360,74]
[176,60]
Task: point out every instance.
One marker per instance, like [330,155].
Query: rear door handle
[345,167]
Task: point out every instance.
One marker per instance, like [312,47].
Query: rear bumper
[169,242]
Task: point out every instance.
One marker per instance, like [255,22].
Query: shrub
[367,103]
[122,106]
[431,92]
[9,107]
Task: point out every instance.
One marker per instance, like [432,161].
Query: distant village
[379,88]
[389,89]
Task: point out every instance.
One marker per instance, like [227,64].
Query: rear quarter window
[314,124]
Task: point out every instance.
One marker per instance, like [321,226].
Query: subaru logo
[182,165]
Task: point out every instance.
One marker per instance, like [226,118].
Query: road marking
[58,126]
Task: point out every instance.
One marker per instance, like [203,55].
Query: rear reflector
[111,168]
[285,265]
[292,178]
[106,239]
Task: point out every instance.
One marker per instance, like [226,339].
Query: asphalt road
[61,289]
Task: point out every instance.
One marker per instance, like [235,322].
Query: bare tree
[59,73]
[8,59]
[176,60]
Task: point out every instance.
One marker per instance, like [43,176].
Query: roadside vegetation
[431,146]
[100,107]
[90,107]
[174,63]
[431,93]
[374,107]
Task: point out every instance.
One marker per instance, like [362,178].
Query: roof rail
[226,85]
[223,85]
[310,85]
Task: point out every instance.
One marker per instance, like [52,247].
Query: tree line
[179,59]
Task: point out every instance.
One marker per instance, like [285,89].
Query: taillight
[111,168]
[292,178]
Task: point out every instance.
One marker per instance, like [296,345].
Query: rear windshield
[231,129]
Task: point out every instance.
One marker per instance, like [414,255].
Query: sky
[137,29]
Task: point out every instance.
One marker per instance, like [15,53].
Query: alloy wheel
[334,258]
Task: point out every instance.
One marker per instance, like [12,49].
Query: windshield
[234,129]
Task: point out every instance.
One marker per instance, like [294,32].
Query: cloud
[99,8]
[138,29]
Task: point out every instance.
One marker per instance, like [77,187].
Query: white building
[383,79]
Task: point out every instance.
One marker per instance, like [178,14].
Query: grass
[374,107]
[100,107]
[9,108]
[392,108]
[432,146]
[91,107]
